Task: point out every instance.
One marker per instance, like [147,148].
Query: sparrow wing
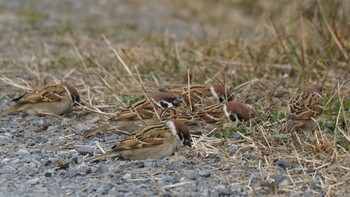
[177,90]
[179,114]
[197,92]
[51,93]
[140,110]
[305,106]
[148,136]
[211,114]
[132,115]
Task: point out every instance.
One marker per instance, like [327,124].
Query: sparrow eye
[74,98]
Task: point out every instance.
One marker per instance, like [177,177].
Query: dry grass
[263,51]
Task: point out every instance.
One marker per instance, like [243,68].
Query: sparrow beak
[178,101]
[188,142]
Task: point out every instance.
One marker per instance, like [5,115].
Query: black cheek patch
[234,116]
[186,142]
[175,101]
[181,136]
[74,98]
[164,104]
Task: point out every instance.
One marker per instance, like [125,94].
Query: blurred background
[263,38]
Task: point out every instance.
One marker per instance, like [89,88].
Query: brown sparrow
[145,109]
[154,141]
[51,99]
[231,110]
[141,113]
[179,113]
[199,92]
[303,108]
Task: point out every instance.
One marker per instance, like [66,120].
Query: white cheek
[169,105]
[172,128]
[69,95]
[213,92]
[227,114]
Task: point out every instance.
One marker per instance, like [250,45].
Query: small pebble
[49,173]
[4,140]
[81,128]
[52,129]
[235,136]
[127,176]
[204,173]
[65,122]
[85,149]
[41,138]
[33,181]
[23,151]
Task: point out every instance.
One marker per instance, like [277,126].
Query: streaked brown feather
[211,114]
[305,106]
[179,114]
[51,93]
[146,137]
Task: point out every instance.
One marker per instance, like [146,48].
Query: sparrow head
[167,99]
[182,131]
[236,110]
[313,88]
[218,91]
[73,93]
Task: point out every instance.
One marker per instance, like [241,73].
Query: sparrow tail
[96,130]
[108,154]
[9,110]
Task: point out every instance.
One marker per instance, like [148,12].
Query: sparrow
[141,113]
[219,113]
[304,108]
[199,92]
[51,99]
[153,141]
[180,113]
[145,108]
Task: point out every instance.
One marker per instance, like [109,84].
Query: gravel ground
[44,156]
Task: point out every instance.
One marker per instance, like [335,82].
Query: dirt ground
[264,51]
